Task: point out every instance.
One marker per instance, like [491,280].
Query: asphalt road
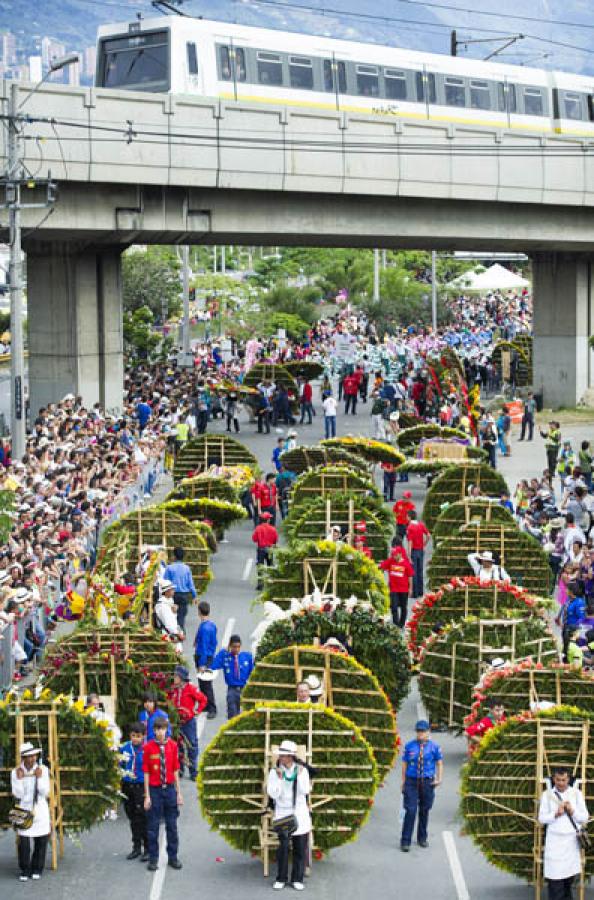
[94,864]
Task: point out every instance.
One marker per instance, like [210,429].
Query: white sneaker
[23,878]
[278,885]
[298,886]
[35,876]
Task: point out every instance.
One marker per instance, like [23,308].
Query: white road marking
[455,866]
[247,569]
[227,633]
[159,876]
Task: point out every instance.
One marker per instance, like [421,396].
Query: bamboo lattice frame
[370,450]
[312,522]
[207,449]
[465,512]
[324,480]
[453,661]
[234,769]
[454,483]
[348,688]
[300,459]
[519,553]
[145,647]
[504,780]
[409,439]
[209,486]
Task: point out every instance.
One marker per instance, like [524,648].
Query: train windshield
[138,62]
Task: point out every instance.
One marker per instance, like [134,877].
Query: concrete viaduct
[148,168]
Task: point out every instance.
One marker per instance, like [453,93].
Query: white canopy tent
[495,278]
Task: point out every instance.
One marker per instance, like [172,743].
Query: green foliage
[295,327]
[204,486]
[141,644]
[452,661]
[151,278]
[409,439]
[506,764]
[351,690]
[207,450]
[454,484]
[374,642]
[140,336]
[304,368]
[300,459]
[463,512]
[234,767]
[325,480]
[402,300]
[370,450]
[221,513]
[89,773]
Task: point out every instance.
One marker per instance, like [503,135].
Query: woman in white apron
[559,805]
[30,785]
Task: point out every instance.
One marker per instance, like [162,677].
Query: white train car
[237,62]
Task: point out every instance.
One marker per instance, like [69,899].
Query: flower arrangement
[328,566]
[454,484]
[234,767]
[304,368]
[157,527]
[310,521]
[143,645]
[410,439]
[521,555]
[470,510]
[452,661]
[200,453]
[373,640]
[466,596]
[528,682]
[300,459]
[325,480]
[370,450]
[503,777]
[61,675]
[425,466]
[204,486]
[349,689]
[522,346]
[221,513]
[89,777]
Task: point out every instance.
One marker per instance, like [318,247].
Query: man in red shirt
[189,703]
[264,536]
[266,498]
[400,573]
[306,404]
[402,509]
[494,717]
[162,794]
[350,389]
[418,536]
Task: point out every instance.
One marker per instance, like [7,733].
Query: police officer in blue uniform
[237,667]
[422,772]
[133,790]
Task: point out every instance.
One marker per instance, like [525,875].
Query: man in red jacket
[350,389]
[306,403]
[162,794]
[402,510]
[400,573]
[418,536]
[189,703]
[267,496]
[264,536]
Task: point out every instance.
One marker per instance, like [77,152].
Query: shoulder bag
[583,838]
[21,819]
[287,825]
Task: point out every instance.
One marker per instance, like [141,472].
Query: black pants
[201,421]
[552,454]
[32,865]
[282,858]
[263,558]
[399,607]
[561,888]
[527,424]
[182,600]
[207,690]
[234,420]
[350,402]
[135,812]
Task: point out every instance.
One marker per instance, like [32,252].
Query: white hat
[166,585]
[486,555]
[67,397]
[288,747]
[27,749]
[497,663]
[315,685]
[22,594]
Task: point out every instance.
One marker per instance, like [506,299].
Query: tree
[150,278]
[403,300]
[139,333]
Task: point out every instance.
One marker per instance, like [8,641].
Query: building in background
[35,69]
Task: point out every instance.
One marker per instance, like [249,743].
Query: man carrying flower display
[494,717]
[422,772]
[402,509]
[563,811]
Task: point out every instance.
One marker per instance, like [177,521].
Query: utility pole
[376,278]
[434,290]
[186,293]
[384,259]
[223,261]
[214,260]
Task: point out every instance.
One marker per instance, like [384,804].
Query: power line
[495,15]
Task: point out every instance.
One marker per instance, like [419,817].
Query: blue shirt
[234,676]
[575,612]
[149,721]
[131,763]
[205,643]
[276,457]
[180,576]
[143,413]
[431,755]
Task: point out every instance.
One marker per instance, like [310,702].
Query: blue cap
[182,672]
[422,725]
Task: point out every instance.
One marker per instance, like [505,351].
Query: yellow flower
[27,695]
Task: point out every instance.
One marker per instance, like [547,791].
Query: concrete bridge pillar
[563,321]
[75,325]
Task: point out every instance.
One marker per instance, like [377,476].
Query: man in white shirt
[484,568]
[30,785]
[288,787]
[329,405]
[562,810]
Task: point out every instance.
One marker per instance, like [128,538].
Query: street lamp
[14,181]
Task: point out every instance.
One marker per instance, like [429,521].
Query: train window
[455,92]
[342,82]
[395,82]
[192,59]
[270,69]
[367,81]
[139,62]
[240,69]
[533,105]
[328,75]
[225,64]
[301,73]
[572,104]
[480,95]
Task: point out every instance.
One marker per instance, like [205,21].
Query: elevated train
[259,65]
